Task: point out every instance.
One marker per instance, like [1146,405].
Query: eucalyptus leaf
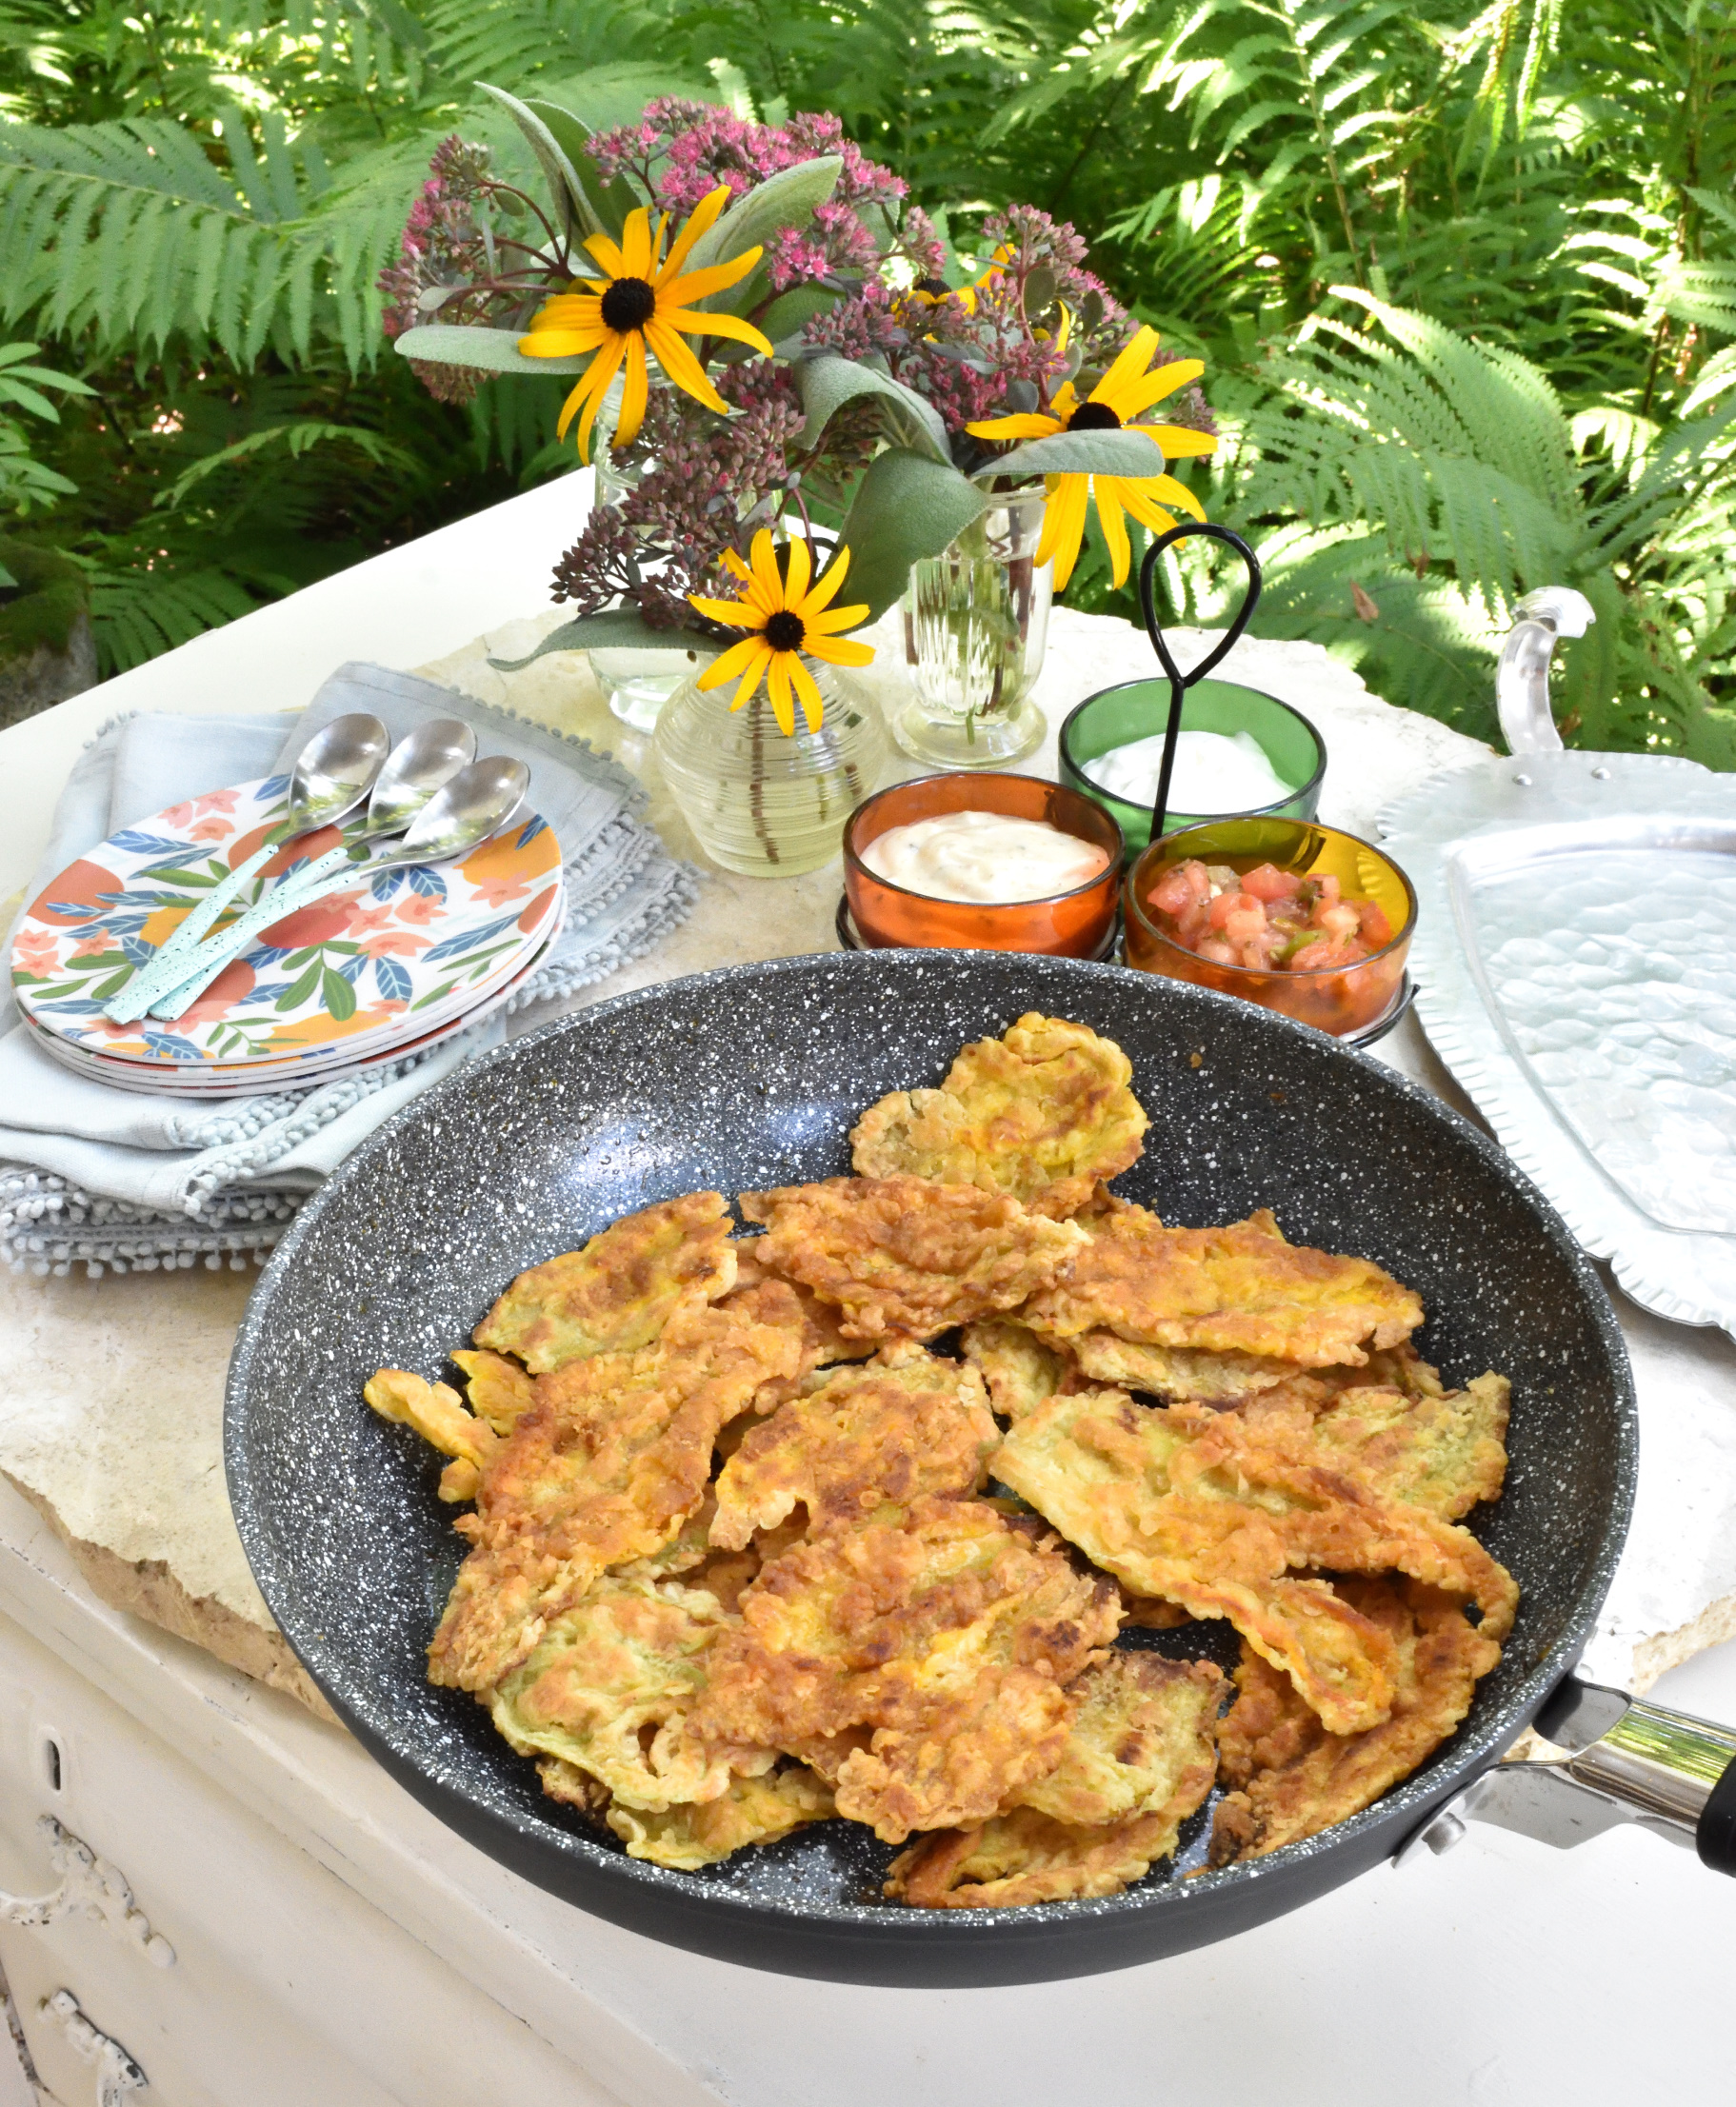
[1040,285]
[827,383]
[612,201]
[792,311]
[907,507]
[494,350]
[786,199]
[603,98]
[616,629]
[1127,452]
[572,206]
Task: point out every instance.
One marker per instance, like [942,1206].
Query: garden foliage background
[1465,279]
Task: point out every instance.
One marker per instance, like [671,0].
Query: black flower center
[937,289]
[784,631]
[1087,417]
[628,304]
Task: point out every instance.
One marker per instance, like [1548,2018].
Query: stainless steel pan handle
[1613,1759]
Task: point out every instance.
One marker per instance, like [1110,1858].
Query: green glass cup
[1140,709]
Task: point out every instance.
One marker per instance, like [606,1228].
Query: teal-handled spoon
[478,801]
[417,767]
[333,772]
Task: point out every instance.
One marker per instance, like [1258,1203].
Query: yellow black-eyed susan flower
[786,618]
[637,311]
[1117,401]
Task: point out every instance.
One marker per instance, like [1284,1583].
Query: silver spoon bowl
[419,764]
[332,773]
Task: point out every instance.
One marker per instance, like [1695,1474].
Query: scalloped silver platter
[752,1076]
[1575,958]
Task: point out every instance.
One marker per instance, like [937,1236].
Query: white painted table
[333,1943]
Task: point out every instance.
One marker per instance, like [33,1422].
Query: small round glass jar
[1075,924]
[764,802]
[1340,1000]
[1140,709]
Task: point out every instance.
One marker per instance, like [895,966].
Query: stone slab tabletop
[111,1400]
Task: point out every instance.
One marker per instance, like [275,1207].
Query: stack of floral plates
[387,967]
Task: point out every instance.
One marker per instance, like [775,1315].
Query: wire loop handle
[1179,682]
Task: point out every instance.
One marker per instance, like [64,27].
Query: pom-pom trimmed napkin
[112,1180]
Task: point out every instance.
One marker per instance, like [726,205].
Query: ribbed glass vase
[976,622]
[759,801]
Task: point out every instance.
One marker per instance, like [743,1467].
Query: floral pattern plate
[240,1083]
[346,969]
[378,1042]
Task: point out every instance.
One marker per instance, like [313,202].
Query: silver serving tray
[1576,960]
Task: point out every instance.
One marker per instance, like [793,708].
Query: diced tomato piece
[1180,886]
[1246,925]
[1192,925]
[1376,929]
[1229,904]
[1338,920]
[1268,882]
[1321,956]
[1217,952]
[1329,889]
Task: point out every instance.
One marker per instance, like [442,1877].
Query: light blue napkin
[111,1179]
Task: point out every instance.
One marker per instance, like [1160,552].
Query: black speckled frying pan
[752,1077]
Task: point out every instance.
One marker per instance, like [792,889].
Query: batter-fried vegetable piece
[1173,1371]
[1212,1511]
[1151,1613]
[500,1390]
[603,1468]
[1022,1857]
[437,1413]
[768,1300]
[1143,1728]
[1019,1369]
[1293,1778]
[1139,1760]
[608,1689]
[688,1556]
[1240,1289]
[617,1294]
[1179,1374]
[900,1256]
[751,1810]
[952,1635]
[863,1447]
[1041,1113]
[1443,1454]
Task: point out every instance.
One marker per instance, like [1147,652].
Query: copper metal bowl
[1072,924]
[1340,1000]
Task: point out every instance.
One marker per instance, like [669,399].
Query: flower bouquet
[799,380]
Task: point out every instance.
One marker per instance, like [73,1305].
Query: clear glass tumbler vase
[759,801]
[976,623]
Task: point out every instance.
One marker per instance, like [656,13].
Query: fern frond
[136,614]
[127,232]
[294,439]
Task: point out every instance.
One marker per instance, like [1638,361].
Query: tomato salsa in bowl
[1299,918]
